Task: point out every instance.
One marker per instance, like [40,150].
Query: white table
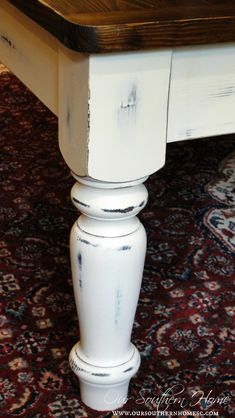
[116,113]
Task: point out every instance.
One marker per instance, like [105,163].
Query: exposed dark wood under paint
[125,248]
[80,260]
[100,374]
[128,370]
[84,241]
[8,41]
[80,203]
[125,210]
[122,25]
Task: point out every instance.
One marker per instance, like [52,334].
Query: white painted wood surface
[73,109]
[202,92]
[128,114]
[113,113]
[31,53]
[108,245]
[200,103]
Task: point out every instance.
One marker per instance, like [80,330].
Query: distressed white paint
[119,134]
[113,113]
[128,114]
[202,92]
[108,245]
[31,53]
[134,99]
[73,109]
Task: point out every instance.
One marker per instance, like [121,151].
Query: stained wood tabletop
[96,26]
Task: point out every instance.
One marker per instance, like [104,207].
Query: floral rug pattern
[221,221]
[184,327]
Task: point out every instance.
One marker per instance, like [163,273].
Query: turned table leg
[112,131]
[108,245]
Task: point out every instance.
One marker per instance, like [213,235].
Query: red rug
[184,323]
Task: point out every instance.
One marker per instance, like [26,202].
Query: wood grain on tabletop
[96,26]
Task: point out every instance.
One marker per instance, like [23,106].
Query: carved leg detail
[108,245]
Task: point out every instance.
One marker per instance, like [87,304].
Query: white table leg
[108,245]
[112,128]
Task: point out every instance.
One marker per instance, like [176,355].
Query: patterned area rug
[184,323]
[221,221]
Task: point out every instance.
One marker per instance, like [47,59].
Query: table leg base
[104,388]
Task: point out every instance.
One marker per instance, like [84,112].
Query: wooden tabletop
[96,26]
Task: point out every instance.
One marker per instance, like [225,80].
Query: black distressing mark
[10,43]
[84,241]
[80,260]
[117,305]
[126,210]
[225,92]
[100,374]
[82,370]
[80,268]
[128,370]
[188,133]
[142,204]
[75,367]
[131,101]
[88,112]
[81,203]
[68,117]
[124,248]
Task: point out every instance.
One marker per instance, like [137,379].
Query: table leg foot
[104,388]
